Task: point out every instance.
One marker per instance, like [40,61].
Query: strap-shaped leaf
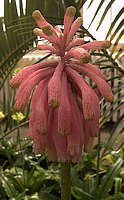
[118,127]
[104,119]
[121,24]
[106,113]
[21,8]
[115,21]
[18,37]
[91,1]
[51,9]
[7,18]
[118,185]
[100,5]
[79,194]
[80,3]
[105,12]
[108,180]
[13,10]
[117,41]
[120,51]
[8,186]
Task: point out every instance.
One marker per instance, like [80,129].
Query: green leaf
[80,194]
[91,1]
[105,12]
[21,8]
[119,196]
[104,119]
[99,6]
[115,21]
[118,185]
[112,104]
[89,184]
[108,179]
[75,177]
[121,24]
[46,196]
[8,186]
[117,41]
[114,133]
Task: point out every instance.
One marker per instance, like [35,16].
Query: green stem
[66,181]
[98,160]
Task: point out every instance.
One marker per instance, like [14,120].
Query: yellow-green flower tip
[36,14]
[106,44]
[71,11]
[86,59]
[36,30]
[47,30]
[111,98]
[80,20]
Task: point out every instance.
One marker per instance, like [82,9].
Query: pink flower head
[64,110]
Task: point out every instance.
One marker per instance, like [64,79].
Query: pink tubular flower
[96,45]
[59,140]
[90,67]
[27,71]
[46,47]
[101,84]
[90,100]
[39,143]
[39,108]
[75,139]
[58,31]
[40,20]
[54,87]
[68,20]
[25,89]
[75,26]
[74,43]
[78,53]
[50,32]
[64,110]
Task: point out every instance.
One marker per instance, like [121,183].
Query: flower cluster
[64,110]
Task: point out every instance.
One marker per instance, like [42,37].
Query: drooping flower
[64,110]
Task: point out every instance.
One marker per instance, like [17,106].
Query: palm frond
[99,6]
[16,33]
[118,16]
[117,30]
[117,40]
[105,12]
[91,1]
[114,22]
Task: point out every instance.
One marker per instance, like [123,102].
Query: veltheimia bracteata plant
[64,110]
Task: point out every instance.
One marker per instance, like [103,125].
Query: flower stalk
[66,180]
